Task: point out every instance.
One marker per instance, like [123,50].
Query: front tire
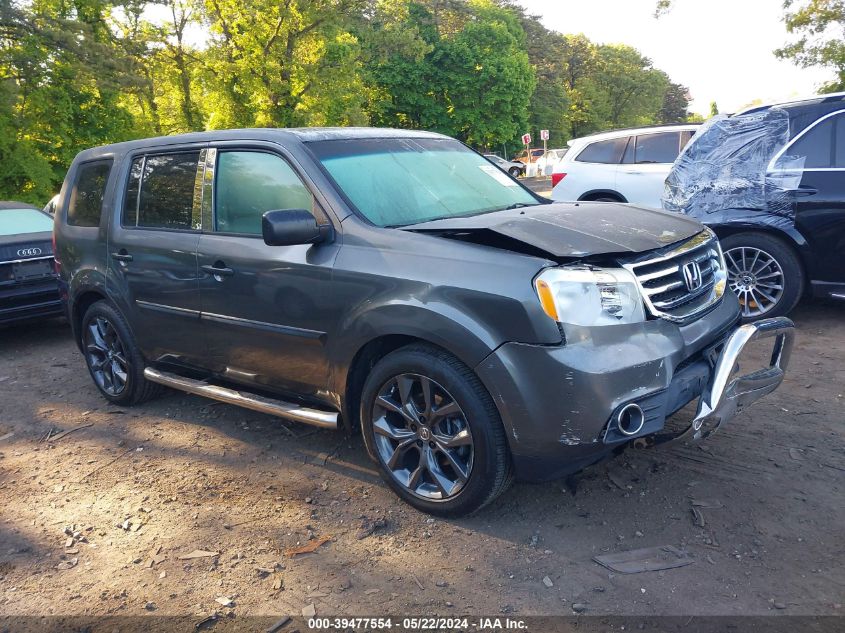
[765,274]
[113,359]
[515,172]
[435,432]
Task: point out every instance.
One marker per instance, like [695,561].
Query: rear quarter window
[606,152]
[88,192]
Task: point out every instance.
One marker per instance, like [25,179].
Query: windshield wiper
[518,205]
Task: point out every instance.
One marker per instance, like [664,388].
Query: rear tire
[114,361]
[448,464]
[515,172]
[765,273]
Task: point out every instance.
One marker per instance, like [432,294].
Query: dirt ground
[99,521]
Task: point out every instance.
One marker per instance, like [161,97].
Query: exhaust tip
[630,419]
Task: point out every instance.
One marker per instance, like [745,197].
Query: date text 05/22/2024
[409,624]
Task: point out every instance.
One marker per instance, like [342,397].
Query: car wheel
[765,274]
[114,361]
[515,172]
[435,432]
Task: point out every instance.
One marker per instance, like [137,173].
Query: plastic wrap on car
[725,168]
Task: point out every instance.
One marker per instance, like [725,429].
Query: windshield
[397,182]
[15,221]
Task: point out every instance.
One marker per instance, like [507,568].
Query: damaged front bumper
[559,404]
[727,394]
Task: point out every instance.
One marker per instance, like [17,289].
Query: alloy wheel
[422,437]
[106,356]
[756,277]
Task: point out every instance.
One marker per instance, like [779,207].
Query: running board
[288,410]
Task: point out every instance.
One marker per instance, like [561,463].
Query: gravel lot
[146,487]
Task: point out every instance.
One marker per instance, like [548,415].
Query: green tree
[486,76]
[714,108]
[61,91]
[548,108]
[458,68]
[407,89]
[270,62]
[820,27]
[631,88]
[675,108]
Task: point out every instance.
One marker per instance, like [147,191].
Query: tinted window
[251,183]
[815,146]
[86,198]
[603,151]
[686,136]
[167,192]
[657,148]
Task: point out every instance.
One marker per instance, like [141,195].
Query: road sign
[526,139]
[544,135]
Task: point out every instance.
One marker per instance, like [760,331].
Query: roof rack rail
[833,96]
[639,127]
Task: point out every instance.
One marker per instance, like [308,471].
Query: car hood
[577,229]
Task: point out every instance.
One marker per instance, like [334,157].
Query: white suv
[620,166]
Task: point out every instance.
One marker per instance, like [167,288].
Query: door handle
[218,269]
[805,191]
[122,256]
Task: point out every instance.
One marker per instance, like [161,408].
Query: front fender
[442,324]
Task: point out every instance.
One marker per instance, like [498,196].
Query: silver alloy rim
[756,277]
[422,437]
[106,356]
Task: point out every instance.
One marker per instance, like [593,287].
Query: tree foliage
[675,108]
[820,27]
[79,73]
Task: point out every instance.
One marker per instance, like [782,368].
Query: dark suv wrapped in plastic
[771,183]
[397,283]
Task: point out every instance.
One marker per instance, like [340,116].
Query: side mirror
[288,227]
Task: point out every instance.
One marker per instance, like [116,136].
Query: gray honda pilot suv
[397,282]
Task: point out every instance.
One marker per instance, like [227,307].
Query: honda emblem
[692,276]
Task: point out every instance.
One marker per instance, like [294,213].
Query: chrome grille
[685,281]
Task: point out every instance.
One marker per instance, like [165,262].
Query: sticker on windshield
[498,174]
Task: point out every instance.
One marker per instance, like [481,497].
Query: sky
[722,50]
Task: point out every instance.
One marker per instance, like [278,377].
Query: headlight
[582,295]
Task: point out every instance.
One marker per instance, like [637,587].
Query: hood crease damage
[568,230]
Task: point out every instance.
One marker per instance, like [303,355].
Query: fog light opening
[630,419]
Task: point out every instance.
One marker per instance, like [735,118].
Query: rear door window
[815,147]
[89,191]
[839,142]
[248,184]
[657,148]
[161,192]
[607,152]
